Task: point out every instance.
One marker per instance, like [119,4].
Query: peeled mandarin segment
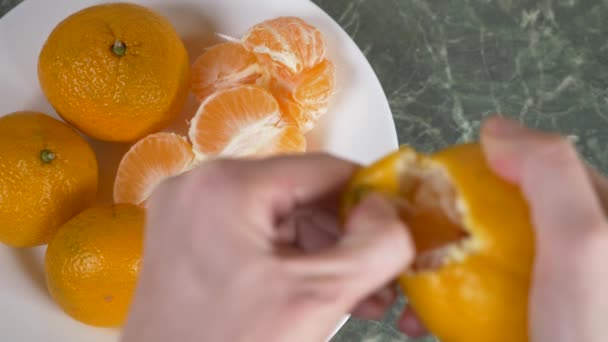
[287,45]
[309,41]
[266,141]
[295,114]
[473,237]
[226,114]
[241,121]
[316,86]
[223,66]
[305,98]
[288,140]
[149,162]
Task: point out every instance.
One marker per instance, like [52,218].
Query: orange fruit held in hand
[243,121]
[93,262]
[473,237]
[48,174]
[286,45]
[117,71]
[150,161]
[223,66]
[305,97]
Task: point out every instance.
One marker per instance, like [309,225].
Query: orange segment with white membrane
[223,66]
[243,121]
[286,45]
[305,97]
[150,161]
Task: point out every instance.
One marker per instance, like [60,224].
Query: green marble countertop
[445,65]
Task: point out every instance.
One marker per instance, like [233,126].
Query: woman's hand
[252,251]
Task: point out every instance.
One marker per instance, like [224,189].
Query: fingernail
[504,128]
[505,142]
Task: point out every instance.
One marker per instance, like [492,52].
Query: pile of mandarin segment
[259,97]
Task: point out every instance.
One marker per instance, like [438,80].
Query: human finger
[410,324]
[546,167]
[375,306]
[289,181]
[374,249]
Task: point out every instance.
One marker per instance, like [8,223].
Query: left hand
[252,251]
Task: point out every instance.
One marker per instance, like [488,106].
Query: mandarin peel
[412,168]
[473,237]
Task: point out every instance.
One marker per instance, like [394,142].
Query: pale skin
[265,258]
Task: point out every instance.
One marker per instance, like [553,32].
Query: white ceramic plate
[358,127]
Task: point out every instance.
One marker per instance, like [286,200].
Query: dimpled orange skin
[111,97]
[37,197]
[93,262]
[483,297]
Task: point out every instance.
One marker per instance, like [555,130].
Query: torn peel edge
[434,212]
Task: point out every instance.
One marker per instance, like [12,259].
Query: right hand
[568,297]
[568,203]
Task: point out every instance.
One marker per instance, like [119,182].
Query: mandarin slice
[223,66]
[151,160]
[305,97]
[286,45]
[243,121]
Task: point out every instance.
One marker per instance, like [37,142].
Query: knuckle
[229,180]
[211,171]
[322,156]
[164,189]
[216,174]
[212,176]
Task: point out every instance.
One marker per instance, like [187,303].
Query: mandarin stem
[119,48]
[47,156]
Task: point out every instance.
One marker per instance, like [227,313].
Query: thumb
[378,241]
[552,178]
[566,293]
[374,250]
